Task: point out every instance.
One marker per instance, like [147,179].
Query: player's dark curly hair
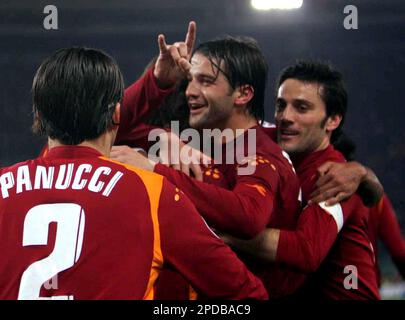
[333,91]
[74,94]
[244,64]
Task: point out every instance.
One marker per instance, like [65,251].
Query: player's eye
[207,81]
[280,105]
[302,107]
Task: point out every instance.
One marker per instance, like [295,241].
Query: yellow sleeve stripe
[192,294]
[153,184]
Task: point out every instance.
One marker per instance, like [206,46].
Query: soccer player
[226,83]
[383,222]
[232,211]
[330,243]
[76,225]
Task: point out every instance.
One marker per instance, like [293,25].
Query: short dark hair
[244,64]
[345,146]
[333,92]
[74,94]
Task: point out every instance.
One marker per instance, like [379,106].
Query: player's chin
[288,146]
[197,121]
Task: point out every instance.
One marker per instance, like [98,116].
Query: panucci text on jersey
[65,176]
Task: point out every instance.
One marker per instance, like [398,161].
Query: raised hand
[173,62]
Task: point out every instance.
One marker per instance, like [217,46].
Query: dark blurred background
[371,58]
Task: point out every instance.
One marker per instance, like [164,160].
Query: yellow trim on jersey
[380,207]
[192,294]
[153,184]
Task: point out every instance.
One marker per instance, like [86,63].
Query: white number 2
[70,219]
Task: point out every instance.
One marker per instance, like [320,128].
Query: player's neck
[102,144]
[323,145]
[239,123]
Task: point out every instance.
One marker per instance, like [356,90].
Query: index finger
[190,37]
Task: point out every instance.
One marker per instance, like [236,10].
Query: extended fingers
[163,48]
[191,36]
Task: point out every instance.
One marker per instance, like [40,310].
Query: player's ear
[244,94]
[116,115]
[333,122]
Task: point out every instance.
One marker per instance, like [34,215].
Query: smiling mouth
[288,133]
[196,108]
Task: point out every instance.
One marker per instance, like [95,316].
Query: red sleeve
[307,246]
[389,232]
[242,212]
[190,247]
[317,228]
[140,99]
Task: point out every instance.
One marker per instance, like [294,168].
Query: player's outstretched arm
[303,249]
[243,212]
[191,248]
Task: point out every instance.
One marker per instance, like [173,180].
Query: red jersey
[384,226]
[75,225]
[330,243]
[244,205]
